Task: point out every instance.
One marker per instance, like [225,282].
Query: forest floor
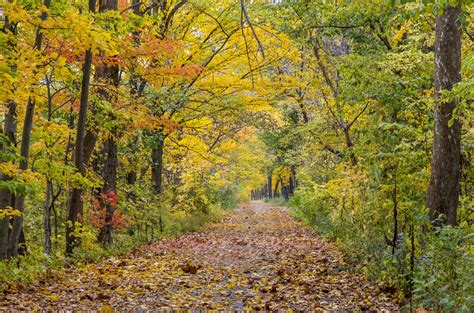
[257,258]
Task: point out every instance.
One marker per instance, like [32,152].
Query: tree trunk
[303,112]
[293,181]
[7,198]
[4,225]
[270,184]
[17,225]
[131,180]
[349,145]
[108,5]
[110,177]
[75,209]
[109,75]
[275,191]
[443,190]
[284,190]
[90,139]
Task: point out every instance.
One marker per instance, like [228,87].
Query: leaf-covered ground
[258,258]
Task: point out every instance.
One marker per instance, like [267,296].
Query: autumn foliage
[127,122]
[97,213]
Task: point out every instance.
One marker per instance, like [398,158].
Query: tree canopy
[127,121]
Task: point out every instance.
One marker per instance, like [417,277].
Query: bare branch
[247,18]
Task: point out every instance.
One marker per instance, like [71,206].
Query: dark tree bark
[276,194]
[109,75]
[443,190]
[284,190]
[293,181]
[132,178]
[108,5]
[304,113]
[7,198]
[90,140]
[350,145]
[17,225]
[4,238]
[291,188]
[110,177]
[75,205]
[270,184]
[110,169]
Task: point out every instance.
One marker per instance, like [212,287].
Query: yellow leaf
[53,296]
[107,309]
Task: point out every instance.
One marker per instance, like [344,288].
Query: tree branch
[247,18]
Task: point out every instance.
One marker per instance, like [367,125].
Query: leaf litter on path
[258,258]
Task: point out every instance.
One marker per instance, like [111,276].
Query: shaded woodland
[126,122]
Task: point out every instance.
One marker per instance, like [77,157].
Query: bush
[433,268]
[445,273]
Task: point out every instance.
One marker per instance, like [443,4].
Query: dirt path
[258,258]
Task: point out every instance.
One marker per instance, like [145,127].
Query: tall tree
[7,197]
[75,205]
[17,226]
[109,74]
[443,191]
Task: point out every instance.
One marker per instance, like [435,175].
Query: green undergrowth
[162,218]
[437,275]
[276,201]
